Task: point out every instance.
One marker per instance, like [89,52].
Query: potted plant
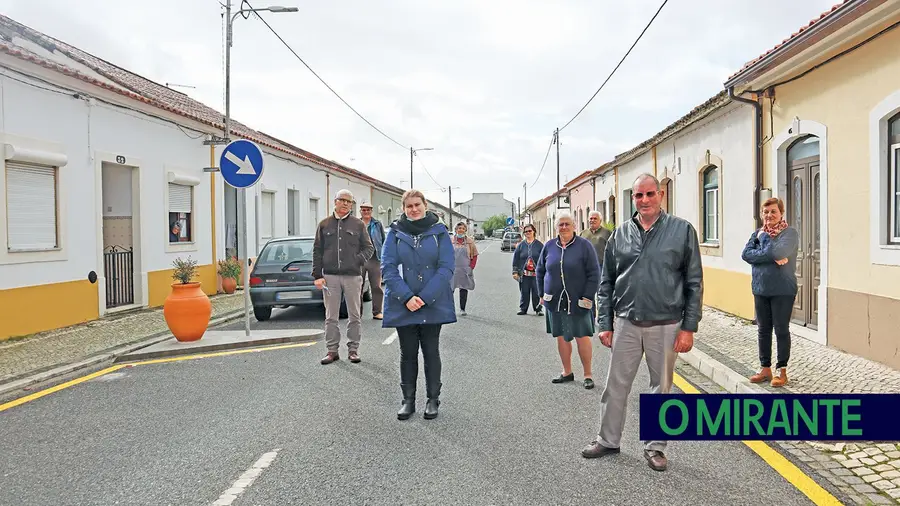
[187,309]
[230,270]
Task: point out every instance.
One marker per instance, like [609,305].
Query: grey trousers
[630,343]
[373,270]
[351,288]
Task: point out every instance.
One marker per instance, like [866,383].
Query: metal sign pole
[246,267]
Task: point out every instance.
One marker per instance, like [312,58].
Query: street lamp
[411,153]
[243,191]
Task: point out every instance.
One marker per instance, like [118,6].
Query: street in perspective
[185,432]
[449,253]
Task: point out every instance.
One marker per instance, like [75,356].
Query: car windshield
[513,237]
[282,252]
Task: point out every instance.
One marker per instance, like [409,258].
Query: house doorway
[118,206]
[803,213]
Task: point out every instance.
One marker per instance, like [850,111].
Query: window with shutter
[31,200]
[181,205]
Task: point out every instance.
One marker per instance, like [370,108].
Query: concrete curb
[721,374]
[109,355]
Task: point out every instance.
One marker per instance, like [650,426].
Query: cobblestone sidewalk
[867,473]
[39,352]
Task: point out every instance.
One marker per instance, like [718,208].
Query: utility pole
[556,141]
[519,215]
[525,187]
[450,191]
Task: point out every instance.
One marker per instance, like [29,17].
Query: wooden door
[803,214]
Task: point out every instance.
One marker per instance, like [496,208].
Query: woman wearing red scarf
[772,252]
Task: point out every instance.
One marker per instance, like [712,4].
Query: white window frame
[184,179]
[882,251]
[714,238]
[894,176]
[24,151]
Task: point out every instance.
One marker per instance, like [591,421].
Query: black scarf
[417,227]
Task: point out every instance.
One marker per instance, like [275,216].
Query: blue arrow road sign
[241,163]
[510,221]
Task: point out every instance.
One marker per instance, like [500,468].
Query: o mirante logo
[800,417]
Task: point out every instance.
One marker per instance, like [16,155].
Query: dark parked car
[282,277]
[510,241]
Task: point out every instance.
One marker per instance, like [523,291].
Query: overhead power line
[388,137]
[552,139]
[617,66]
[426,171]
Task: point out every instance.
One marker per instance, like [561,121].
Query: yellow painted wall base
[728,291]
[159,283]
[38,308]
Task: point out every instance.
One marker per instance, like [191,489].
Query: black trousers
[528,291]
[774,313]
[411,338]
[463,298]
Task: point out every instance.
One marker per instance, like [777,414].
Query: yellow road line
[219,354]
[778,462]
[61,386]
[57,388]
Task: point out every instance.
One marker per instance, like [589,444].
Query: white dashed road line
[246,479]
[391,338]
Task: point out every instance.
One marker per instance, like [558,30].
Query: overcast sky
[483,82]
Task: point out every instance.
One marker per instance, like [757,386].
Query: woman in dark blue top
[568,275]
[524,265]
[772,251]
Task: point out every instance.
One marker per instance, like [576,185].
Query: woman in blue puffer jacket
[417,266]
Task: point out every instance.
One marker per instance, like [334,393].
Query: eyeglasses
[649,194]
[346,201]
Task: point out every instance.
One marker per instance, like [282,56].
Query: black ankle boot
[431,409]
[434,394]
[409,402]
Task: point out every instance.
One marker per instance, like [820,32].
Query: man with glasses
[373,265]
[341,249]
[650,303]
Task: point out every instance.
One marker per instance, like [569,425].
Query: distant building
[484,205]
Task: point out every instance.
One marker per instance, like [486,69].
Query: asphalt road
[183,433]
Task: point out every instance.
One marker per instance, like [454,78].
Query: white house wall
[84,131]
[728,136]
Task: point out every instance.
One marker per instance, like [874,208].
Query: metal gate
[118,267]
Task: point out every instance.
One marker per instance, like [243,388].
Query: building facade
[483,206]
[829,106]
[104,186]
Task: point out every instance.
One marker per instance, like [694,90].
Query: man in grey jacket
[650,303]
[341,249]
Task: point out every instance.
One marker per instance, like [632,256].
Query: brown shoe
[331,357]
[764,374]
[656,460]
[781,379]
[354,357]
[595,450]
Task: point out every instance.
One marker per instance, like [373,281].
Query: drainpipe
[758,124]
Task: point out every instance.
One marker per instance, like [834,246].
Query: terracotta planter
[229,285]
[187,311]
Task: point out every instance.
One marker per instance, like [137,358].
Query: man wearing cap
[373,265]
[341,249]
